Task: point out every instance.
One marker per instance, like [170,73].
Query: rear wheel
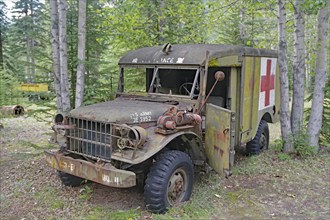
[261,141]
[169,182]
[70,180]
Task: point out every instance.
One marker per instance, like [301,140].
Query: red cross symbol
[267,82]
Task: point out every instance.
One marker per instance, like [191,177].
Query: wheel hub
[263,141]
[176,187]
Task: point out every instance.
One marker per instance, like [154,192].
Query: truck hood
[122,110]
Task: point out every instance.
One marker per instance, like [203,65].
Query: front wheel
[169,182]
[261,141]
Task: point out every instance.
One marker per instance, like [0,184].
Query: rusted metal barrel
[15,110]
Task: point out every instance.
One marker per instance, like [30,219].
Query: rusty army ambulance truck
[177,106]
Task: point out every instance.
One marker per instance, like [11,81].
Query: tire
[260,142]
[70,180]
[141,171]
[159,191]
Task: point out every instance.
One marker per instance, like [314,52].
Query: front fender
[156,142]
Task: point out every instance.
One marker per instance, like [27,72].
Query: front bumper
[100,173]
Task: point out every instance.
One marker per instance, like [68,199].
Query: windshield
[161,81]
[183,82]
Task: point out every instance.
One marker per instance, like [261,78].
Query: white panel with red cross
[267,82]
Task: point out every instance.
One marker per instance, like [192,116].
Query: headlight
[130,137]
[137,136]
[58,119]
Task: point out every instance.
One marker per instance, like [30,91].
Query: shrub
[301,147]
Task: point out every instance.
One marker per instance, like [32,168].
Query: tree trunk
[72,72]
[56,53]
[308,53]
[28,62]
[1,51]
[33,63]
[27,47]
[81,53]
[297,114]
[284,79]
[315,120]
[63,58]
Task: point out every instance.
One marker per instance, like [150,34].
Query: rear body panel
[259,95]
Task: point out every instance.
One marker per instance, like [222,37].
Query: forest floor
[272,185]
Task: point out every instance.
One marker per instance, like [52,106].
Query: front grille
[90,138]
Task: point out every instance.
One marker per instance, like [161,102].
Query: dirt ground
[30,189]
[269,186]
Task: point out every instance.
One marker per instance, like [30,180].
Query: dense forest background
[117,26]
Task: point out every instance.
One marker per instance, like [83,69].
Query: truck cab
[177,107]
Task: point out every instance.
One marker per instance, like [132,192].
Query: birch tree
[3,23]
[56,52]
[81,53]
[63,58]
[315,120]
[297,114]
[31,46]
[284,79]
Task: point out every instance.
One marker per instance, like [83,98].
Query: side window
[220,92]
[134,80]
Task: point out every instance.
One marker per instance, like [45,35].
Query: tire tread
[156,182]
[253,147]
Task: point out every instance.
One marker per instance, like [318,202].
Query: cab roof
[189,54]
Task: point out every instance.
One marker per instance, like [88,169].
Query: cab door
[219,138]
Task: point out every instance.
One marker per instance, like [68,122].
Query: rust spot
[221,152]
[221,136]
[218,149]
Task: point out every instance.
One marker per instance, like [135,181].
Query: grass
[99,213]
[85,193]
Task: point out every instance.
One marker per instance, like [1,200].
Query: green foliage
[3,32]
[313,6]
[283,156]
[325,130]
[99,78]
[249,23]
[42,110]
[85,193]
[277,145]
[141,23]
[129,215]
[300,144]
[101,213]
[26,49]
[301,147]
[8,89]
